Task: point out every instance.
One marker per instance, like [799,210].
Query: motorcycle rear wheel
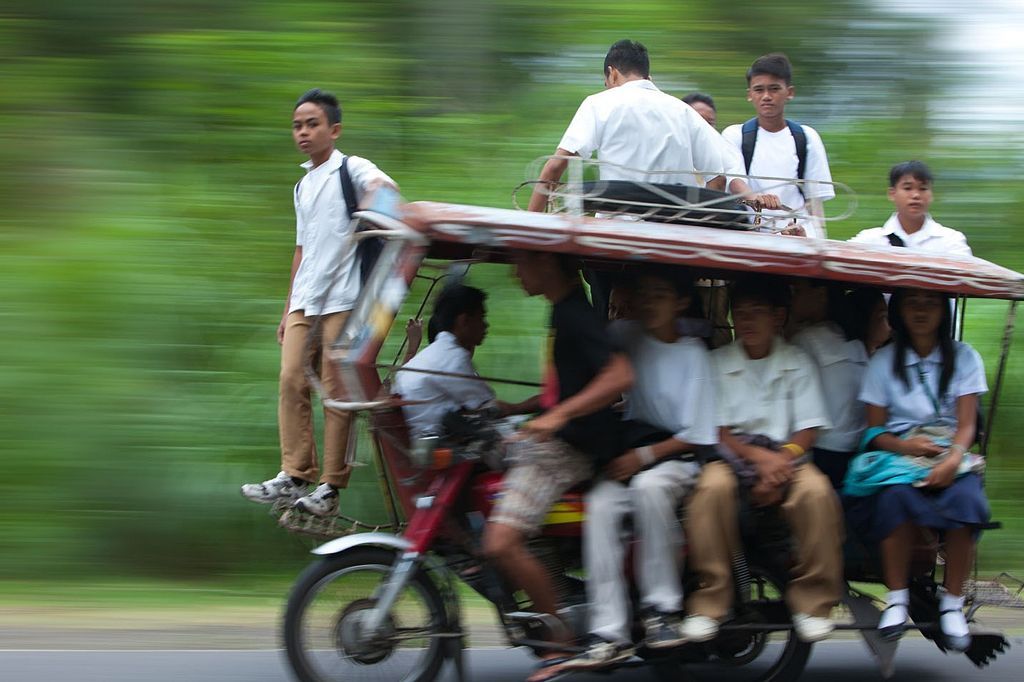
[778,656]
[322,632]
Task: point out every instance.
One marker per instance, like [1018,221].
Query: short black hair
[454,300]
[774,64]
[860,306]
[701,97]
[836,305]
[327,102]
[916,169]
[680,278]
[629,57]
[773,291]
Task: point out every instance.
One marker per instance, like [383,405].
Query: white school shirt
[327,280]
[932,237]
[786,398]
[638,126]
[841,366]
[444,393]
[775,156]
[910,407]
[673,387]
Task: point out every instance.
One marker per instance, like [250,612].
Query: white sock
[896,612]
[952,623]
[898,597]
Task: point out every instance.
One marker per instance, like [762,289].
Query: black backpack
[367,250]
[799,139]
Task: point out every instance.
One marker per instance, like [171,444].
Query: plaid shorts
[542,472]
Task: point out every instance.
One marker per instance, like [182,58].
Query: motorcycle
[389,605]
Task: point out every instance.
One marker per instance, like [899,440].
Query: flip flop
[549,666]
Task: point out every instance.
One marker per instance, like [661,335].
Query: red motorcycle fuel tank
[564,519]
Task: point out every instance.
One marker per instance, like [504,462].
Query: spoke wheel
[325,631]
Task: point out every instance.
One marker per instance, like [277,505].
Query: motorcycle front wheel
[323,625]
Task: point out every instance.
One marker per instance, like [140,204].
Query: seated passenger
[671,413]
[841,360]
[867,318]
[441,378]
[910,189]
[642,134]
[623,305]
[921,393]
[704,105]
[576,431]
[770,408]
[460,324]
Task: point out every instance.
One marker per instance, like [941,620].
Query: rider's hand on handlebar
[920,446]
[544,426]
[624,467]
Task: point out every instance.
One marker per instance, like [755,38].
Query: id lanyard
[927,390]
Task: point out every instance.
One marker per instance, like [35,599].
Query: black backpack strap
[894,239]
[749,140]
[367,250]
[800,140]
[348,190]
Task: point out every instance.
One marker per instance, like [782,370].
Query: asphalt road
[841,661]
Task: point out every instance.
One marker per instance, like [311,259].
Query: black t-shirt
[579,350]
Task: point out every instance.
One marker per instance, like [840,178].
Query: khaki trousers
[294,412]
[812,511]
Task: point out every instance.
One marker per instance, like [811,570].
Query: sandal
[549,666]
[959,643]
[891,633]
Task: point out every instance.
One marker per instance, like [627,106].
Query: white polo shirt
[775,156]
[773,397]
[841,366]
[931,237]
[638,126]
[674,386]
[444,393]
[327,280]
[911,406]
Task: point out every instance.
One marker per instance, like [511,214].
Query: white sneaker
[699,629]
[812,628]
[321,502]
[281,487]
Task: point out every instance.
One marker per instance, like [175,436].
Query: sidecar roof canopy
[495,229]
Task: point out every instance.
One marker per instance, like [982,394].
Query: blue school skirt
[875,517]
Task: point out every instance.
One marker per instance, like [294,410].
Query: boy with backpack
[322,290]
[775,147]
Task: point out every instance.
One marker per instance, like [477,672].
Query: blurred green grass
[147,227]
